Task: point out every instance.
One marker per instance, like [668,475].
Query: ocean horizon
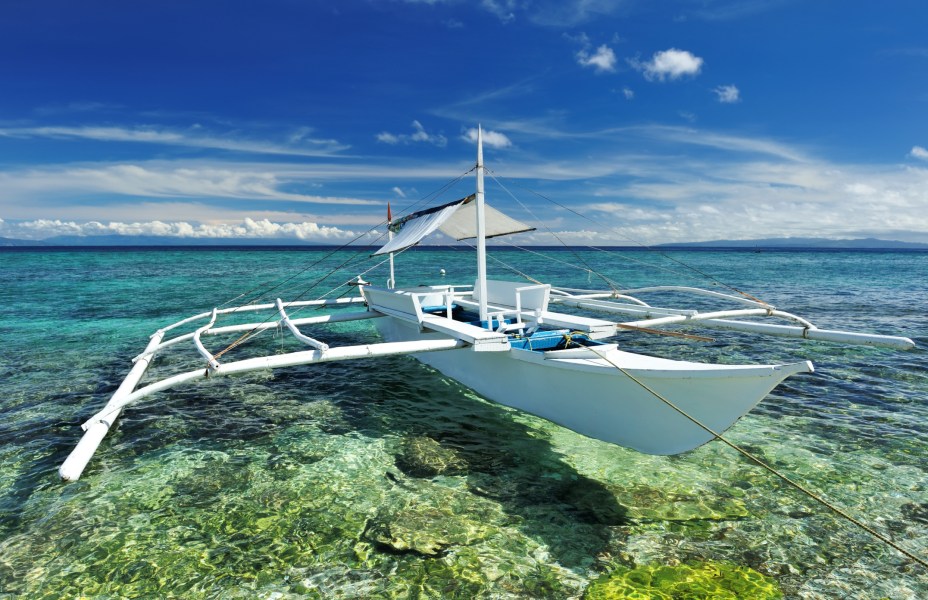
[386,479]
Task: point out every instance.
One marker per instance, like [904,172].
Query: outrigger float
[503,340]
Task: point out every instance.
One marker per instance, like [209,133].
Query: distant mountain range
[152,240]
[864,243]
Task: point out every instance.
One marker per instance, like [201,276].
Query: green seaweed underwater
[383,479]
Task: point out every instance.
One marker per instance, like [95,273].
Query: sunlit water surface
[384,479]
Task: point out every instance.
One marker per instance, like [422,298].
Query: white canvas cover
[462,224]
[457,219]
[415,229]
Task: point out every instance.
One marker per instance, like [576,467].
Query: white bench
[406,305]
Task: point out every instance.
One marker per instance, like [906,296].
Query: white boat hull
[593,397]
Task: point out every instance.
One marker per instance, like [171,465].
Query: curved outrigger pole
[97,426]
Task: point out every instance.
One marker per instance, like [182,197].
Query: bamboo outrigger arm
[650,317]
[96,428]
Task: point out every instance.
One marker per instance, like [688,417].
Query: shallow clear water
[385,479]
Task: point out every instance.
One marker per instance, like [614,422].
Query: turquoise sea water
[380,479]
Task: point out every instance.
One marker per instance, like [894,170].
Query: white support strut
[285,319]
[96,430]
[98,425]
[277,361]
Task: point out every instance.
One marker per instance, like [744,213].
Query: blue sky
[679,120]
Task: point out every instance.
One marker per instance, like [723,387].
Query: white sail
[456,219]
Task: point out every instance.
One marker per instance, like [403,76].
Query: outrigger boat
[504,340]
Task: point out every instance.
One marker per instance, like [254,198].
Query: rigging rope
[818,498]
[257,329]
[612,285]
[643,245]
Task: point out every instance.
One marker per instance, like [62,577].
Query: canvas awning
[457,219]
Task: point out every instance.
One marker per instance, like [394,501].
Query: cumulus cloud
[919,152]
[419,135]
[669,65]
[246,229]
[602,61]
[728,94]
[493,139]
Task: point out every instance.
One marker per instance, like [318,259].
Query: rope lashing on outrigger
[818,498]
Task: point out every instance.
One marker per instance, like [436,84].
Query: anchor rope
[716,435]
[759,462]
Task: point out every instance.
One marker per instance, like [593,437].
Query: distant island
[168,241]
[863,243]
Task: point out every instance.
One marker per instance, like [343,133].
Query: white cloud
[569,13]
[628,93]
[728,94]
[669,64]
[603,60]
[493,139]
[247,228]
[548,13]
[194,137]
[419,134]
[399,192]
[154,180]
[388,138]
[919,152]
[503,9]
[721,141]
[759,199]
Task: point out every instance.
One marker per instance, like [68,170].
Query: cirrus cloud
[300,143]
[164,181]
